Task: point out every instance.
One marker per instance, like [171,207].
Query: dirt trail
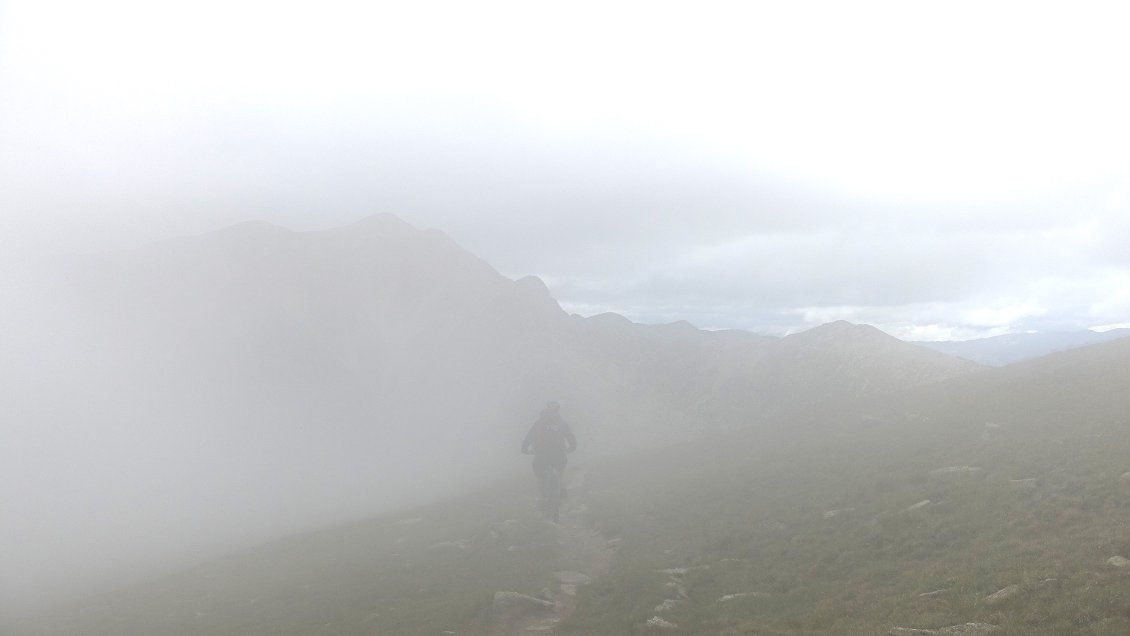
[585,556]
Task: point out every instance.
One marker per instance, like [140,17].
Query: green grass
[398,574]
[748,518]
[745,513]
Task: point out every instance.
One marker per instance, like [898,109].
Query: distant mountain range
[999,351]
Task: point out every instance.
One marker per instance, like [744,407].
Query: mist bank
[208,392]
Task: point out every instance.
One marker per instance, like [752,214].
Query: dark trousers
[542,461]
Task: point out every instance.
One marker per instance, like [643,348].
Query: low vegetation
[1002,502]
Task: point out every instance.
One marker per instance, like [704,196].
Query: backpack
[549,436]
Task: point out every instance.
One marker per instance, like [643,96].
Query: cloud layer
[749,167]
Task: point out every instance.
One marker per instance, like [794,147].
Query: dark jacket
[550,436]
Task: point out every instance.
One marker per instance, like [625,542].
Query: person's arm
[528,440]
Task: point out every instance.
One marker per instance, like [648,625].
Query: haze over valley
[812,319]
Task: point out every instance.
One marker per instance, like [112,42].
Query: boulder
[733,597]
[569,577]
[506,602]
[1118,561]
[965,629]
[968,629]
[955,470]
[656,622]
[1002,595]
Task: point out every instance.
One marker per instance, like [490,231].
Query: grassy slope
[398,574]
[747,514]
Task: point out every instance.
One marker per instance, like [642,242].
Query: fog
[272,267]
[176,401]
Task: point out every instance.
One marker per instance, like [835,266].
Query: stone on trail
[461,544]
[679,589]
[548,625]
[569,577]
[658,623]
[966,629]
[1118,561]
[919,505]
[513,601]
[666,606]
[1002,595]
[955,470]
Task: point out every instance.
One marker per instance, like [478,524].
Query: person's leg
[539,467]
[559,464]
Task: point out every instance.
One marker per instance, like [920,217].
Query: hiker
[548,440]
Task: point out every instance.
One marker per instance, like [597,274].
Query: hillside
[1003,350]
[909,512]
[282,381]
[989,501]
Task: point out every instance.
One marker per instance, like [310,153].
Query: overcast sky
[940,170]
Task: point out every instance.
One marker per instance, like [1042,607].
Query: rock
[678,588]
[666,606]
[955,470]
[966,629]
[1118,562]
[505,529]
[658,623]
[934,594]
[1002,595]
[548,625]
[733,597]
[450,545]
[505,602]
[919,505]
[570,577]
